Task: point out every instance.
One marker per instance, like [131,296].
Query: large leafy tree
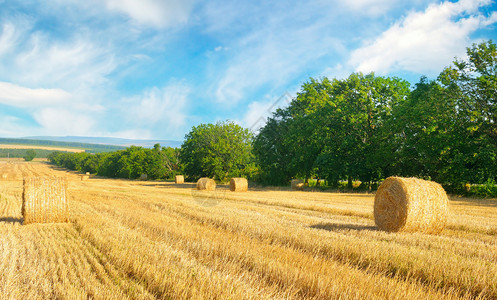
[472,82]
[217,150]
[332,129]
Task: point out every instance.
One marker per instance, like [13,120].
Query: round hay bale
[88,173]
[238,185]
[297,185]
[207,184]
[85,177]
[410,205]
[143,177]
[179,179]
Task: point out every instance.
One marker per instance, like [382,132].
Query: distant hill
[59,145]
[108,141]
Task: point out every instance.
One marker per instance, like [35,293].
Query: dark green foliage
[367,128]
[220,150]
[30,155]
[331,130]
[18,153]
[157,163]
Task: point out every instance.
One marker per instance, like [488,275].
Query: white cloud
[73,63]
[161,109]
[14,127]
[8,38]
[273,54]
[423,42]
[167,103]
[156,13]
[370,7]
[61,121]
[259,111]
[18,96]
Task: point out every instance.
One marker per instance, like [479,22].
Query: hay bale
[410,205]
[297,185]
[88,173]
[143,177]
[179,179]
[207,184]
[85,177]
[238,185]
[44,200]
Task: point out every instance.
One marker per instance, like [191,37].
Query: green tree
[271,148]
[473,84]
[30,155]
[332,129]
[216,150]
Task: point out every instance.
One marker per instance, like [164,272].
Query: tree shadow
[11,220]
[338,227]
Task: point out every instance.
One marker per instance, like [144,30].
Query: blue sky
[152,69]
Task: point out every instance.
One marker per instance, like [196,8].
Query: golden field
[146,240]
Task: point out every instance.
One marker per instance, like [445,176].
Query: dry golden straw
[179,179]
[207,184]
[5,175]
[44,200]
[238,185]
[297,184]
[410,205]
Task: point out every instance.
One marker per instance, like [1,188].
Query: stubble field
[147,240]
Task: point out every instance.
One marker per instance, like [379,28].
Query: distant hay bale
[207,184]
[179,179]
[143,177]
[297,185]
[44,200]
[85,177]
[410,205]
[88,173]
[238,185]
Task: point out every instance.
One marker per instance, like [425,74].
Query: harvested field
[147,240]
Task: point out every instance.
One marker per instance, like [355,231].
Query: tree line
[361,128]
[158,162]
[368,127]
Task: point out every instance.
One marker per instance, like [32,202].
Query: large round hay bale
[207,184]
[44,200]
[179,179]
[85,177]
[410,205]
[143,177]
[238,185]
[297,184]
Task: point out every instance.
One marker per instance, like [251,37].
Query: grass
[137,240]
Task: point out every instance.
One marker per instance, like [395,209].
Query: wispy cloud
[156,13]
[158,109]
[60,121]
[370,7]
[423,42]
[278,49]
[18,96]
